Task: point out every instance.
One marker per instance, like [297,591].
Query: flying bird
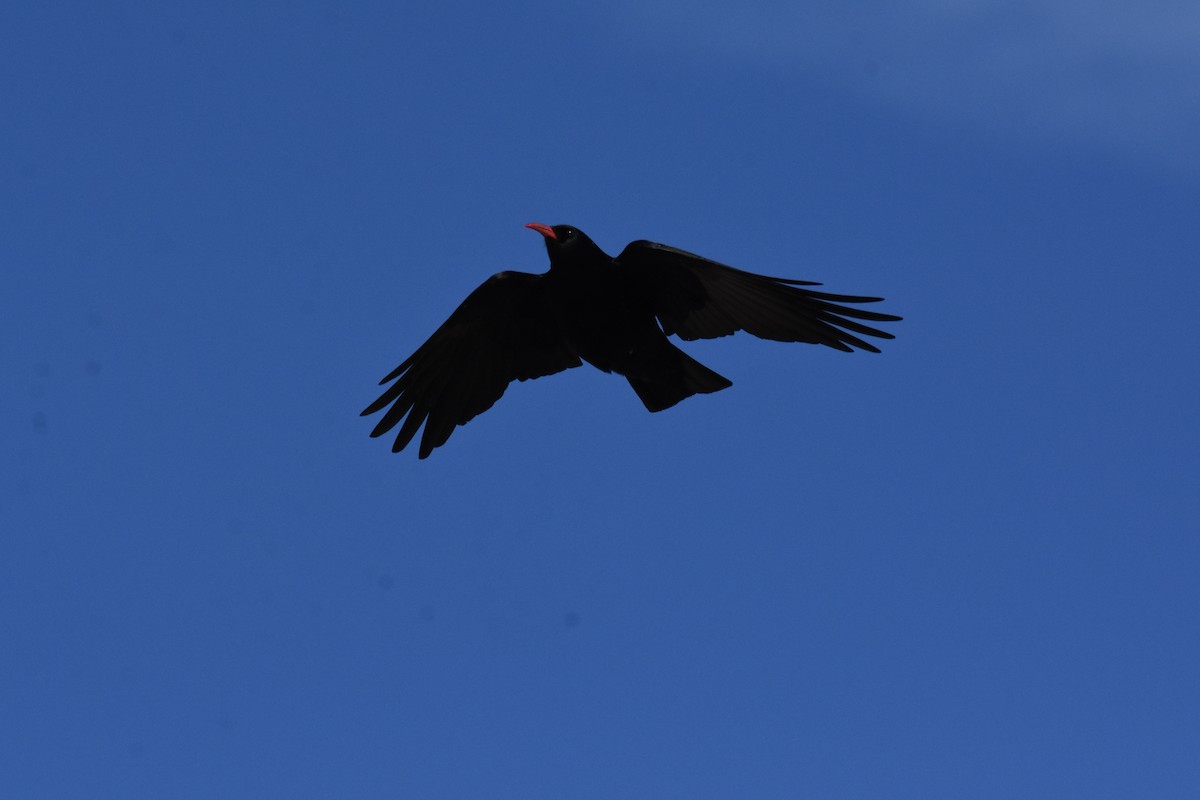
[615,314]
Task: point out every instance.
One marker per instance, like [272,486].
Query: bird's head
[567,244]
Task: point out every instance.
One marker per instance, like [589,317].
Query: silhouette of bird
[615,314]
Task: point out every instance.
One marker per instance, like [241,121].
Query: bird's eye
[569,232]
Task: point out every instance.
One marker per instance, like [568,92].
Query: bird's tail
[673,375]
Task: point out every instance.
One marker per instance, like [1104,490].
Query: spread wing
[503,331]
[696,298]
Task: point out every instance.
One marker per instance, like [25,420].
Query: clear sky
[963,568]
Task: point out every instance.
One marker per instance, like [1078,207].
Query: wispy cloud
[1107,74]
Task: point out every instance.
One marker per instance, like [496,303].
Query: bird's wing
[696,298]
[503,331]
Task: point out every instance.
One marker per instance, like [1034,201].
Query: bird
[614,313]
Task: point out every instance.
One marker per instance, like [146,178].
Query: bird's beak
[544,230]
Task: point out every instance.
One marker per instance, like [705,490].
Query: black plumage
[615,314]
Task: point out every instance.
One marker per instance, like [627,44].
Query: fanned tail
[672,375]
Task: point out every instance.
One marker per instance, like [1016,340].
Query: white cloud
[1106,74]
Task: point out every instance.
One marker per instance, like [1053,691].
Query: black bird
[615,314]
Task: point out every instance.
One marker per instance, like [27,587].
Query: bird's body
[607,321]
[615,314]
[595,312]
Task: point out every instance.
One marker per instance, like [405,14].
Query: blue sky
[965,567]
